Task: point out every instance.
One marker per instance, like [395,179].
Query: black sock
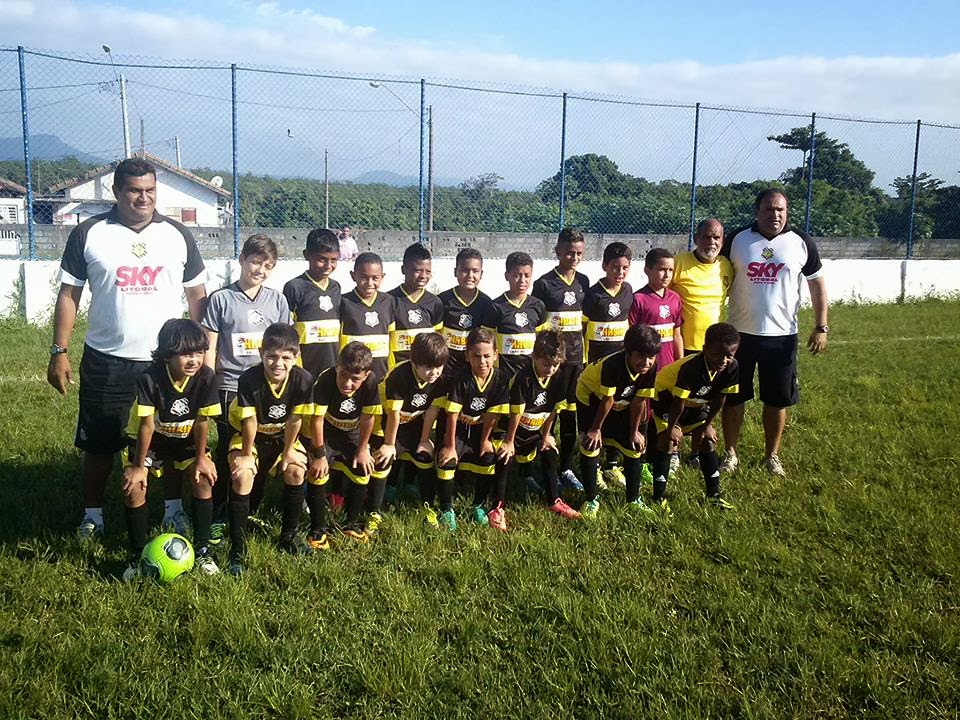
[588,467]
[660,469]
[137,529]
[710,467]
[239,510]
[317,502]
[568,438]
[631,470]
[292,507]
[445,494]
[256,495]
[499,485]
[427,480]
[481,488]
[221,489]
[354,495]
[548,466]
[612,458]
[375,493]
[202,517]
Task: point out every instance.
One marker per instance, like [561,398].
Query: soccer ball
[166,557]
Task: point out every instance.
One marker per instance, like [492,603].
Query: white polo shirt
[765,292]
[136,279]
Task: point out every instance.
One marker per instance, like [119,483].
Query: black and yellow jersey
[272,407]
[612,377]
[605,314]
[315,310]
[459,318]
[413,314]
[563,301]
[473,398]
[515,325]
[340,412]
[401,391]
[533,399]
[369,322]
[174,406]
[690,379]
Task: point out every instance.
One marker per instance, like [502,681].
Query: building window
[188,216]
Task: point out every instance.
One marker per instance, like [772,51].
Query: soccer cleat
[355,533]
[218,531]
[479,515]
[663,507]
[646,474]
[235,566]
[532,485]
[640,506]
[563,510]
[177,523]
[601,483]
[498,518]
[294,545]
[205,563]
[568,479]
[774,466]
[674,462]
[730,463]
[374,521]
[719,503]
[448,520]
[614,474]
[590,509]
[430,516]
[89,528]
[132,572]
[318,540]
[257,525]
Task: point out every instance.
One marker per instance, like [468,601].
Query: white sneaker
[178,523]
[206,565]
[774,466]
[89,528]
[730,463]
[674,462]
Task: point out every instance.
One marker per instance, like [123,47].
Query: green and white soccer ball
[166,557]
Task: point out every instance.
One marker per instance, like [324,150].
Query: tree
[833,162]
[589,174]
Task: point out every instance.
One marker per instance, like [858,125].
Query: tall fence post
[31,236]
[423,115]
[693,176]
[236,176]
[913,193]
[810,161]
[563,163]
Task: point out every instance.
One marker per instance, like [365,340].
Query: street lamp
[403,102]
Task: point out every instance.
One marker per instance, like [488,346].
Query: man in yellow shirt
[702,278]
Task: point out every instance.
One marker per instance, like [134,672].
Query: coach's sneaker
[293,544]
[614,474]
[730,462]
[498,518]
[717,502]
[563,510]
[430,516]
[568,479]
[374,521]
[177,523]
[773,466]
[318,540]
[89,528]
[205,563]
[646,474]
[218,531]
[448,520]
[590,509]
[131,572]
[357,533]
[479,515]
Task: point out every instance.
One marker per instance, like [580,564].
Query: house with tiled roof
[12,202]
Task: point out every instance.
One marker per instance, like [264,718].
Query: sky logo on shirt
[138,279]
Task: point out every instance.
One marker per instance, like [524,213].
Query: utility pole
[430,165]
[176,147]
[143,144]
[326,191]
[123,112]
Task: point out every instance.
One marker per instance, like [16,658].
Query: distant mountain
[385,177]
[44,147]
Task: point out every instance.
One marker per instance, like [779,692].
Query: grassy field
[832,593]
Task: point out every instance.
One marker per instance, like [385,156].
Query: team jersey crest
[627,391]
[767,253]
[703,390]
[418,400]
[414,315]
[664,311]
[277,412]
[465,321]
[255,317]
[138,249]
[541,398]
[371,318]
[613,309]
[325,303]
[348,406]
[179,407]
[478,403]
[569,297]
[521,319]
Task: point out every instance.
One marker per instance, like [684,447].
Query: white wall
[852,281]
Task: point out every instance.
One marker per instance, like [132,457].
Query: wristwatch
[822,329]
[57,350]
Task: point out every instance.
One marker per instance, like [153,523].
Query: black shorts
[775,359]
[567,376]
[108,387]
[615,432]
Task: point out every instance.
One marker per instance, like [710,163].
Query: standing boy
[417,309]
[656,305]
[606,305]
[515,317]
[366,314]
[562,291]
[266,415]
[463,306]
[314,300]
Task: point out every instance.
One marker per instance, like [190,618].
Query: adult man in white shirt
[138,264]
[769,261]
[348,245]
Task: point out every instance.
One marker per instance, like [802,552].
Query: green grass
[832,593]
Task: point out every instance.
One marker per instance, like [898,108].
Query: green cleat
[719,503]
[590,509]
[374,521]
[646,474]
[218,531]
[640,506]
[448,520]
[430,516]
[479,515]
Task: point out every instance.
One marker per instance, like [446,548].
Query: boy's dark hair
[367,258]
[178,337]
[721,334]
[322,240]
[131,167]
[415,253]
[655,256]
[550,345]
[260,245]
[569,235]
[468,254]
[480,335]
[616,250]
[355,358]
[642,339]
[768,192]
[518,259]
[281,337]
[429,350]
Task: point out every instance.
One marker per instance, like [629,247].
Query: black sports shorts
[108,387]
[775,359]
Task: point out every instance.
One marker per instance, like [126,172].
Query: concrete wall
[29,288]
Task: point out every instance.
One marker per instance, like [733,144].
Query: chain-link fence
[425,159]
